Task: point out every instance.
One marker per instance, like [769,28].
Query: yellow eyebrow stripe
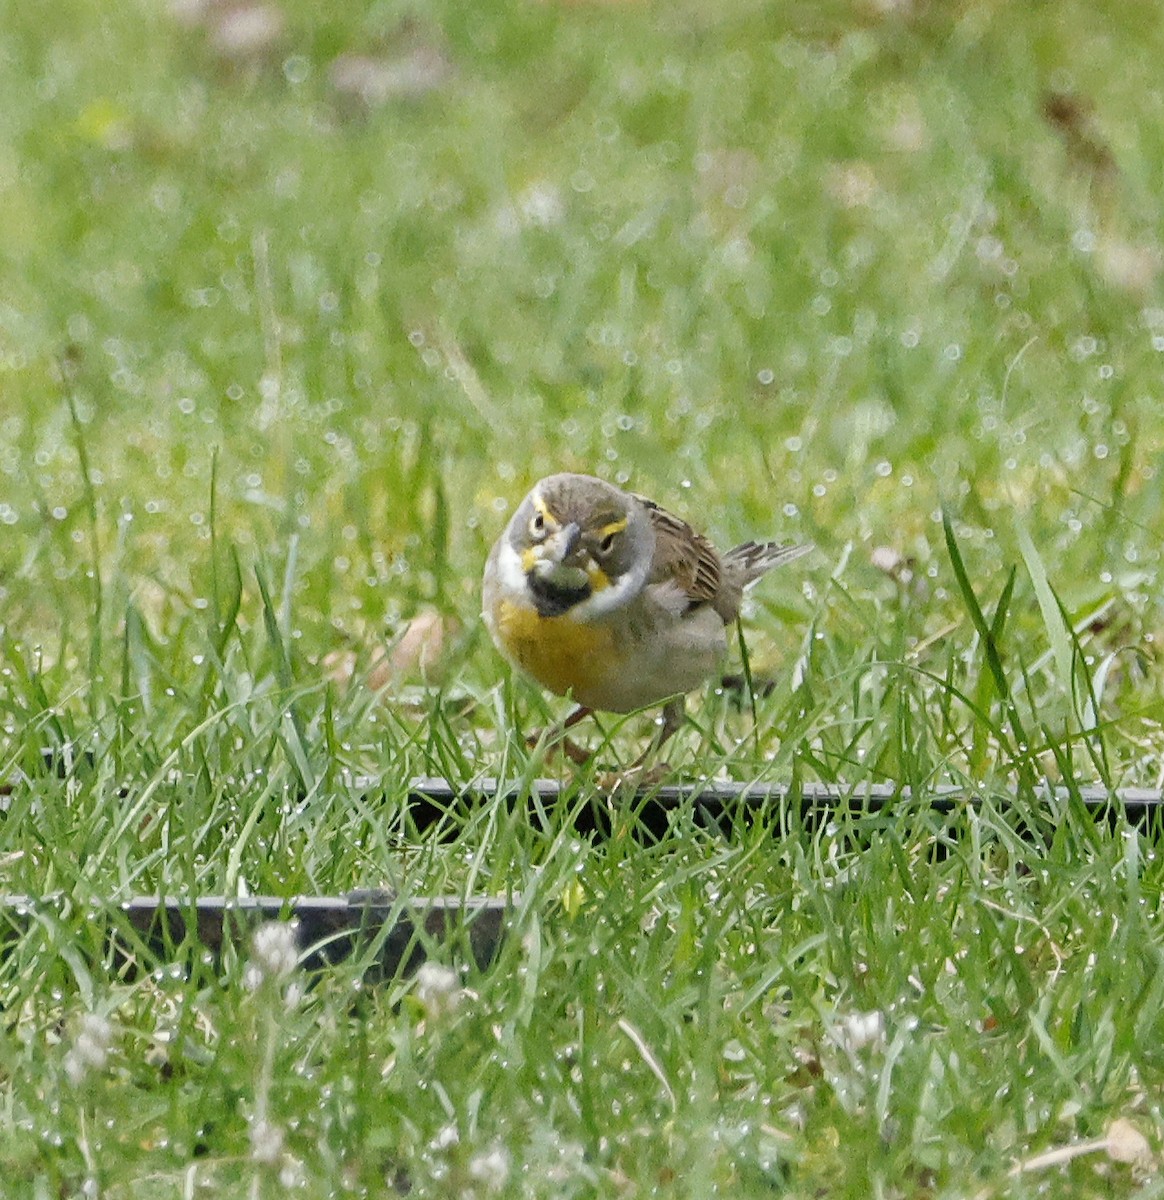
[613,527]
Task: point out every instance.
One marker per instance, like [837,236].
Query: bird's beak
[558,560]
[560,547]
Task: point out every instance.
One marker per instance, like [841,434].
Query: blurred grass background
[301,299]
[804,270]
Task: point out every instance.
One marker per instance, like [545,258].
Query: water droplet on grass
[296,69]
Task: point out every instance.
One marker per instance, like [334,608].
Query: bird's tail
[749,561]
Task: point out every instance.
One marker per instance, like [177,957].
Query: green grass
[276,365]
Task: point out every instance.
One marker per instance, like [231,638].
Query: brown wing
[687,558]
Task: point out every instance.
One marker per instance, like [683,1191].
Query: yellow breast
[561,653]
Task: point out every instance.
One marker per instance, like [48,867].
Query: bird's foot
[638,777]
[578,755]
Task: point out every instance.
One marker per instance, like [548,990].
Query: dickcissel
[601,595]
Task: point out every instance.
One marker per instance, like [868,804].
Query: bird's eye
[607,544]
[537,524]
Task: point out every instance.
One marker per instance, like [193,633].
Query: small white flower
[490,1168]
[437,989]
[446,1136]
[90,1048]
[856,1031]
[266,1142]
[291,1174]
[274,953]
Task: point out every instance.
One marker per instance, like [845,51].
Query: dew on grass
[296,69]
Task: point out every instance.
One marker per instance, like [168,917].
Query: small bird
[602,595]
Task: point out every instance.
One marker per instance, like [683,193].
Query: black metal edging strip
[328,929]
[717,803]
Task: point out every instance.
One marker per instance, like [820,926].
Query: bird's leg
[639,774]
[579,714]
[575,753]
[570,748]
[670,725]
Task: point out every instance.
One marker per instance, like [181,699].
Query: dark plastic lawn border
[397,934]
[719,804]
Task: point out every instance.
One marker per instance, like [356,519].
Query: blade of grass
[294,737]
[1058,631]
[96,614]
[990,646]
[970,600]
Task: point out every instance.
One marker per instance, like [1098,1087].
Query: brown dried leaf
[416,651]
[1126,1144]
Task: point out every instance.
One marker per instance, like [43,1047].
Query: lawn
[296,302]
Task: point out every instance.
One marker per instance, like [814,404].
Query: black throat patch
[552,601]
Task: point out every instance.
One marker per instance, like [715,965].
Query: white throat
[512,578]
[598,604]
